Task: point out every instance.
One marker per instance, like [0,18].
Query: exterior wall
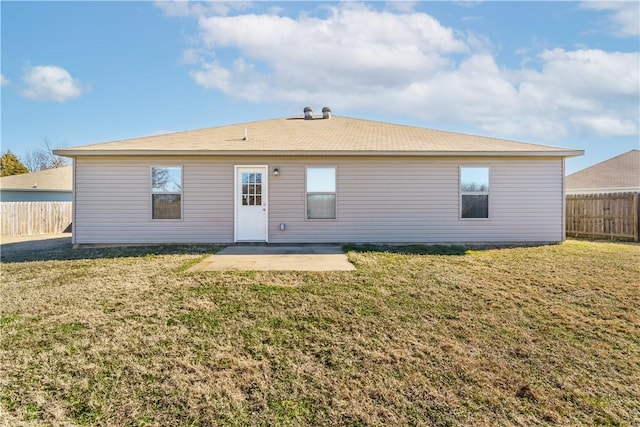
[379,199]
[35,196]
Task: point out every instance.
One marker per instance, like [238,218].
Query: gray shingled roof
[58,179]
[296,136]
[620,173]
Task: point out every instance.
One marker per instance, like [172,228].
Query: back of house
[312,179]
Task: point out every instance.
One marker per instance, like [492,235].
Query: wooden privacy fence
[611,215]
[31,218]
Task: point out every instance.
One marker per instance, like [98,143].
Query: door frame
[265,198]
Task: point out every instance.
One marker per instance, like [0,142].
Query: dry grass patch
[415,336]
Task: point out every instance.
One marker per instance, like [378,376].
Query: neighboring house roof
[334,136]
[57,179]
[620,173]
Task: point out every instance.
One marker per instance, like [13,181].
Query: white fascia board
[274,153]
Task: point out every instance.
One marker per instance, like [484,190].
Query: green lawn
[415,336]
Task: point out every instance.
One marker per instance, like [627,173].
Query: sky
[555,73]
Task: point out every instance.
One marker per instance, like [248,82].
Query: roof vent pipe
[326,113]
[308,113]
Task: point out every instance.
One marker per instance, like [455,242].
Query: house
[619,174]
[51,185]
[317,179]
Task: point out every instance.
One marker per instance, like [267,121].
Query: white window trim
[306,218]
[473,193]
[151,193]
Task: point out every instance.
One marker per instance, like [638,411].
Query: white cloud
[213,76]
[401,5]
[624,16]
[192,8]
[353,57]
[606,125]
[591,72]
[50,83]
[241,80]
[468,4]
[591,91]
[353,47]
[3,80]
[191,56]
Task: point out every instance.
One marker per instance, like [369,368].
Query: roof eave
[604,190]
[553,153]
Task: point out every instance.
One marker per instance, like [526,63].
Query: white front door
[251,203]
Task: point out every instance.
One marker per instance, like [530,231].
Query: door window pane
[251,189]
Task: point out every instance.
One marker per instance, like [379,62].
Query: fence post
[636,223]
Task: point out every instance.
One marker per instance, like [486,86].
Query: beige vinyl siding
[113,201]
[417,200]
[379,199]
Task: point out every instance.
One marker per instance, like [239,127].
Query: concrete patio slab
[276,258]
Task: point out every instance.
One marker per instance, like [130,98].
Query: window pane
[321,180]
[474,179]
[166,206]
[321,206]
[475,206]
[166,180]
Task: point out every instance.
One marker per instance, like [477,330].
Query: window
[166,192]
[321,193]
[251,189]
[474,192]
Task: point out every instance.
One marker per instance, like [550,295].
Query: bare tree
[42,158]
